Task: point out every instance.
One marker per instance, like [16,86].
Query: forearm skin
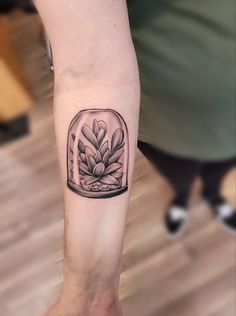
[95,68]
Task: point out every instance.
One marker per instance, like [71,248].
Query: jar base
[95,195]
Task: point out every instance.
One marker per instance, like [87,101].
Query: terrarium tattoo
[97,154]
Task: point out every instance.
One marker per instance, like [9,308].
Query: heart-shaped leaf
[116,156]
[108,179]
[102,124]
[112,168]
[117,139]
[99,169]
[89,135]
[95,127]
[101,136]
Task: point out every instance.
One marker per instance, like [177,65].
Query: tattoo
[97,154]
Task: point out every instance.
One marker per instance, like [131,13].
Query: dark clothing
[181,172]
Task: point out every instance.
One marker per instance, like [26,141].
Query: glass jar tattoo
[97,154]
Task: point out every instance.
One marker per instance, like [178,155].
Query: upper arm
[92,37]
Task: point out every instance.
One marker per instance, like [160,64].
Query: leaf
[112,168]
[81,146]
[98,157]
[108,179]
[73,137]
[99,169]
[120,146]
[102,124]
[88,133]
[116,156]
[82,172]
[82,157]
[89,153]
[117,174]
[101,136]
[92,162]
[95,127]
[90,179]
[106,156]
[84,168]
[104,148]
[117,139]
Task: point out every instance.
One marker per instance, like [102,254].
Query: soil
[98,186]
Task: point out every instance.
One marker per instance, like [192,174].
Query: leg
[96,107]
[179,172]
[212,175]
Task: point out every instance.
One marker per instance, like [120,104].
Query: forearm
[94,227]
[96,74]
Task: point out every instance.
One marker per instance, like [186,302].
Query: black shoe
[28,6]
[175,219]
[226,215]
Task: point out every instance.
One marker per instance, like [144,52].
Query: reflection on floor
[191,276]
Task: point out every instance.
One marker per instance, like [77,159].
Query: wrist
[76,300]
[64,308]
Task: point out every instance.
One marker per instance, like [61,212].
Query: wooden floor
[193,276]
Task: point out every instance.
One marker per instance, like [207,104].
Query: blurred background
[194,275]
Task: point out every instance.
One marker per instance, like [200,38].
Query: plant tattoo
[101,154]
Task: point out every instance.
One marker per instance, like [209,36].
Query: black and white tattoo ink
[98,154]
